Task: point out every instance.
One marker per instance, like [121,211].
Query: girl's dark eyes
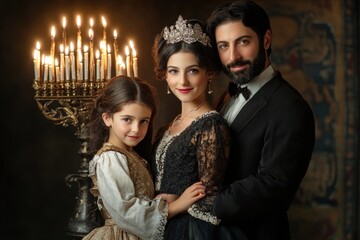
[126,119]
[129,120]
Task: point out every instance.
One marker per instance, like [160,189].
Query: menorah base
[86,215]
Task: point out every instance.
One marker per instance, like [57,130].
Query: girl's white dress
[124,188]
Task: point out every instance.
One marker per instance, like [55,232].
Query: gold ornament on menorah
[65,89]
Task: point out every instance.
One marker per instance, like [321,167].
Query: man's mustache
[237,63]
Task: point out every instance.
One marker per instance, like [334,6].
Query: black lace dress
[199,152]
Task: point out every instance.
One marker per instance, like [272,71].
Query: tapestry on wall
[310,51]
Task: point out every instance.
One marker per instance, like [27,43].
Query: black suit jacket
[272,143]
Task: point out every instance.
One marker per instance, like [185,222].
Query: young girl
[194,146]
[119,121]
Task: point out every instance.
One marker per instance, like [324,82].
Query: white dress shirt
[231,109]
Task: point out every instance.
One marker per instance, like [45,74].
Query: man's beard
[255,68]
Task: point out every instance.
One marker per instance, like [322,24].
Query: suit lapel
[256,104]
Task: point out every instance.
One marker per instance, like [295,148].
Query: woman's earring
[209,88]
[168,89]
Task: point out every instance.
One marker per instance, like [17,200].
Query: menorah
[65,93]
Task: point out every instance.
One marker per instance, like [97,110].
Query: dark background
[37,155]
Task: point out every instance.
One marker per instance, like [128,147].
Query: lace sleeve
[212,155]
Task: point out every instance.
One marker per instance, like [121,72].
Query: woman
[194,146]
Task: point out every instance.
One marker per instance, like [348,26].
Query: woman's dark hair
[207,56]
[119,91]
[247,11]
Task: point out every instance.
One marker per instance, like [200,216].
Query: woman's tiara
[186,33]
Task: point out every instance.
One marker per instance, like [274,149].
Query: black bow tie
[234,91]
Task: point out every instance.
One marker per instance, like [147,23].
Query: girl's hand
[169,198]
[192,194]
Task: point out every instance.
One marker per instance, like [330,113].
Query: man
[272,126]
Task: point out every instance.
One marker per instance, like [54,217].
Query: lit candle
[57,70]
[102,62]
[131,43]
[128,67]
[72,61]
[46,69]
[103,50]
[104,31]
[97,65]
[37,61]
[81,73]
[42,64]
[91,23]
[109,63]
[36,75]
[92,57]
[52,54]
[122,67]
[51,67]
[67,64]
[117,65]
[135,64]
[64,31]
[115,44]
[79,69]
[86,63]
[78,23]
[78,49]
[62,62]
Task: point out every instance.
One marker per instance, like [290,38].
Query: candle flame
[56,62]
[64,22]
[115,34]
[127,51]
[86,48]
[97,54]
[91,22]
[78,21]
[66,50]
[91,34]
[61,48]
[108,48]
[52,32]
[38,45]
[120,60]
[131,44]
[103,21]
[71,47]
[134,52]
[102,45]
